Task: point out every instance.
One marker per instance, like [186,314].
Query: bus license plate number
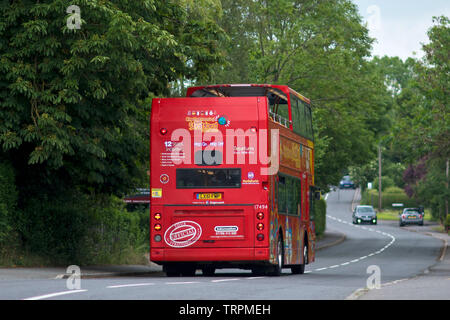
[209,196]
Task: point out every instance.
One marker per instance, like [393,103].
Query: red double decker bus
[232,180]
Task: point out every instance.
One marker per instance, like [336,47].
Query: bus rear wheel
[300,269]
[208,271]
[278,268]
[171,271]
[176,270]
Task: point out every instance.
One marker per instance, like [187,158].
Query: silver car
[364,214]
[411,216]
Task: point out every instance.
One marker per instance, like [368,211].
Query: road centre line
[131,285]
[363,257]
[181,282]
[224,280]
[56,294]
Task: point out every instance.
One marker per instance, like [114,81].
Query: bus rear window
[208,178]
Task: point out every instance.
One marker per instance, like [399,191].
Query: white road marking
[130,285]
[224,280]
[185,282]
[320,269]
[56,294]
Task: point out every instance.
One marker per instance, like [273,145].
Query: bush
[53,227]
[386,182]
[320,215]
[79,230]
[117,236]
[8,200]
[394,190]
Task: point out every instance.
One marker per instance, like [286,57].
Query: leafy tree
[74,103]
[72,100]
[422,123]
[320,49]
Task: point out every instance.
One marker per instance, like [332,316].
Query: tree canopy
[321,49]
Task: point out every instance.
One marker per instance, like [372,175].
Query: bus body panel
[189,224]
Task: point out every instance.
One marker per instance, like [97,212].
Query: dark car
[347,183]
[411,216]
[364,214]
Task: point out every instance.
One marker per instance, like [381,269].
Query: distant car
[347,183]
[411,216]
[364,214]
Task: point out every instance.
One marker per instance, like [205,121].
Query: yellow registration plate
[209,196]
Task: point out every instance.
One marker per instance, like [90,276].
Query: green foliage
[318,48]
[420,136]
[75,229]
[390,196]
[75,104]
[386,182]
[8,200]
[393,190]
[116,235]
[320,216]
[54,227]
[433,190]
[364,174]
[72,99]
[416,146]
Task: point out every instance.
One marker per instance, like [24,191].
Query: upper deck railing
[279,119]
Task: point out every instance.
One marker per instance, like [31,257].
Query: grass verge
[393,215]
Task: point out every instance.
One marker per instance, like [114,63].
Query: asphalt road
[337,273]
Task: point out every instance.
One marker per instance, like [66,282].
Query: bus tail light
[163,131]
[253,129]
[260,226]
[157,238]
[157,216]
[260,237]
[157,227]
[260,215]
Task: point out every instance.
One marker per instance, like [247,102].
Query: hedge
[320,215]
[8,200]
[73,229]
[390,196]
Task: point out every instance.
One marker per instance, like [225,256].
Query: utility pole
[379,178]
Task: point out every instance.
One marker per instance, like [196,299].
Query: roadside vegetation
[415,148]
[392,214]
[75,105]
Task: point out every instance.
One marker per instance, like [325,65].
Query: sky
[400,26]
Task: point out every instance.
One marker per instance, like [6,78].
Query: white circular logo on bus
[164,178]
[182,234]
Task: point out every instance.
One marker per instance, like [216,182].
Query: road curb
[338,241]
[430,234]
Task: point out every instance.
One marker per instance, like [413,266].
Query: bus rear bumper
[209,254]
